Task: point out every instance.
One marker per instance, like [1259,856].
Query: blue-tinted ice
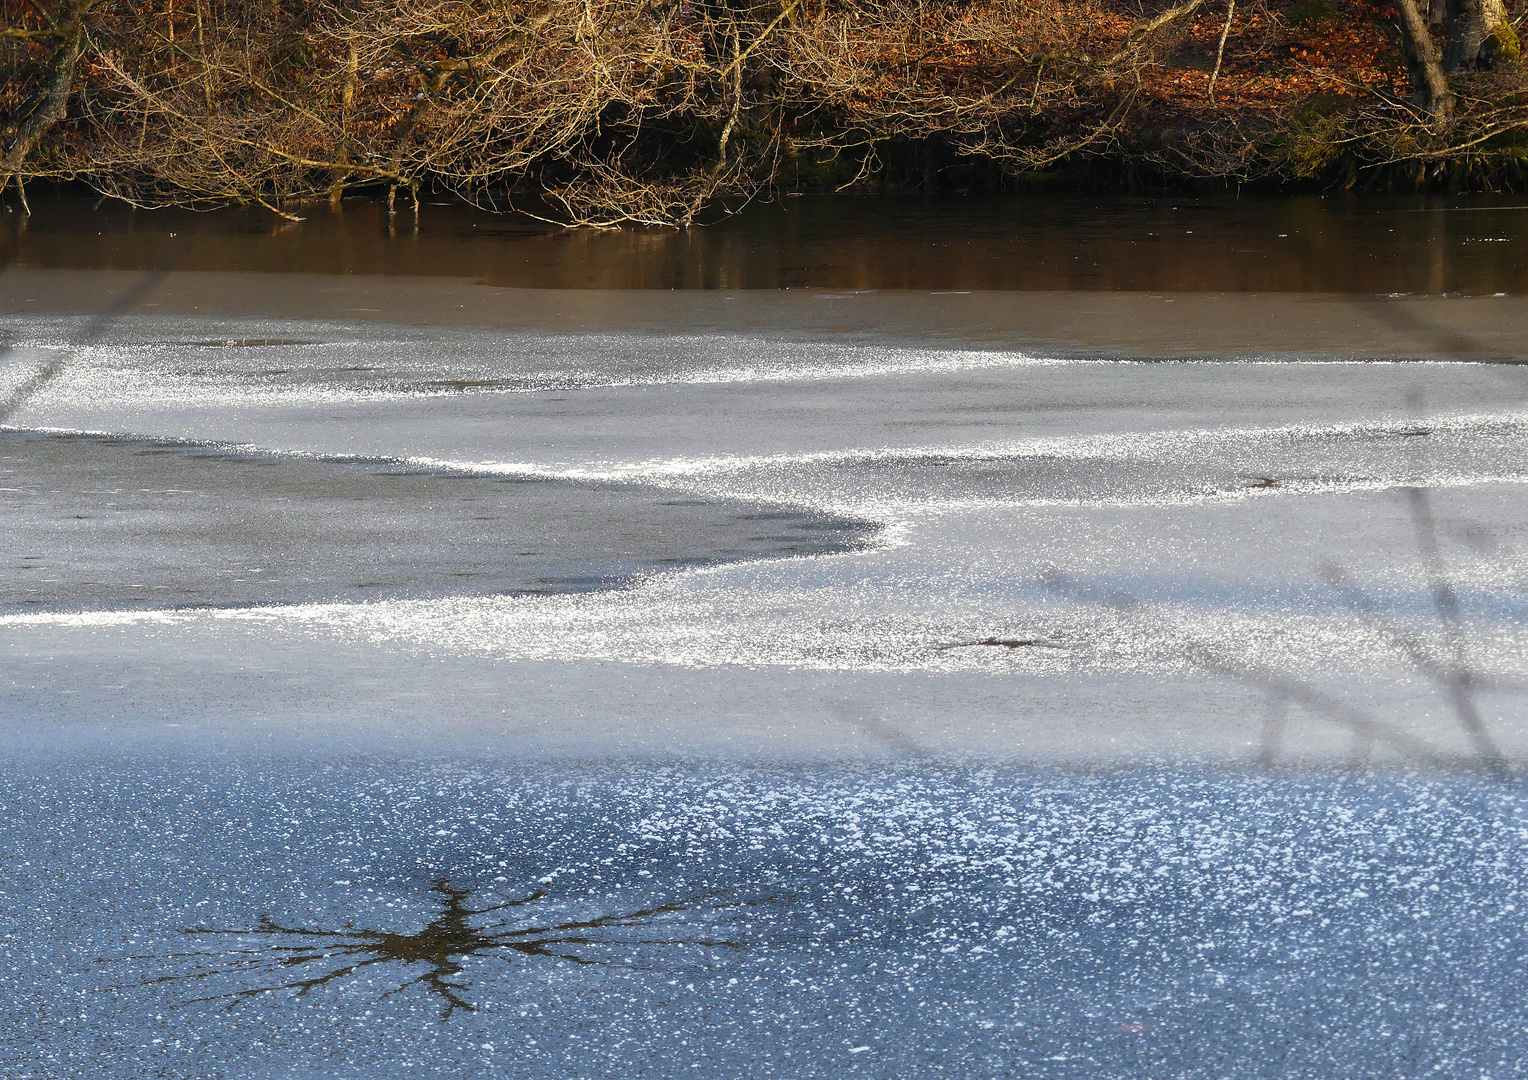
[270,919]
[959,711]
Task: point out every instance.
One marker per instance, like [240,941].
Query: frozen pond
[784,690]
[387,919]
[330,532]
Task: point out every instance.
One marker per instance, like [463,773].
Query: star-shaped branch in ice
[450,937]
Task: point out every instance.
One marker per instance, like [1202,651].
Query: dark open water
[1427,245]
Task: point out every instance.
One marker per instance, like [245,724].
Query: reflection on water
[271,949]
[921,920]
[1421,244]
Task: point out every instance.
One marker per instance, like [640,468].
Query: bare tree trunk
[347,106]
[1427,78]
[1479,35]
[1220,53]
[201,45]
[53,102]
[347,99]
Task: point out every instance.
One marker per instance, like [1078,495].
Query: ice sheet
[805,705]
[1059,544]
[392,919]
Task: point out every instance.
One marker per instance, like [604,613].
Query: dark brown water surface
[1421,245]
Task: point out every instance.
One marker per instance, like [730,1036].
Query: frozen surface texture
[389,919]
[394,701]
[996,551]
[108,522]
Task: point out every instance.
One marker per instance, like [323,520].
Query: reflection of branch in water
[1460,680]
[1485,544]
[1453,674]
[1404,318]
[49,369]
[440,946]
[1274,722]
[1279,686]
[880,730]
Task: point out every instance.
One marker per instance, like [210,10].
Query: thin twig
[1220,53]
